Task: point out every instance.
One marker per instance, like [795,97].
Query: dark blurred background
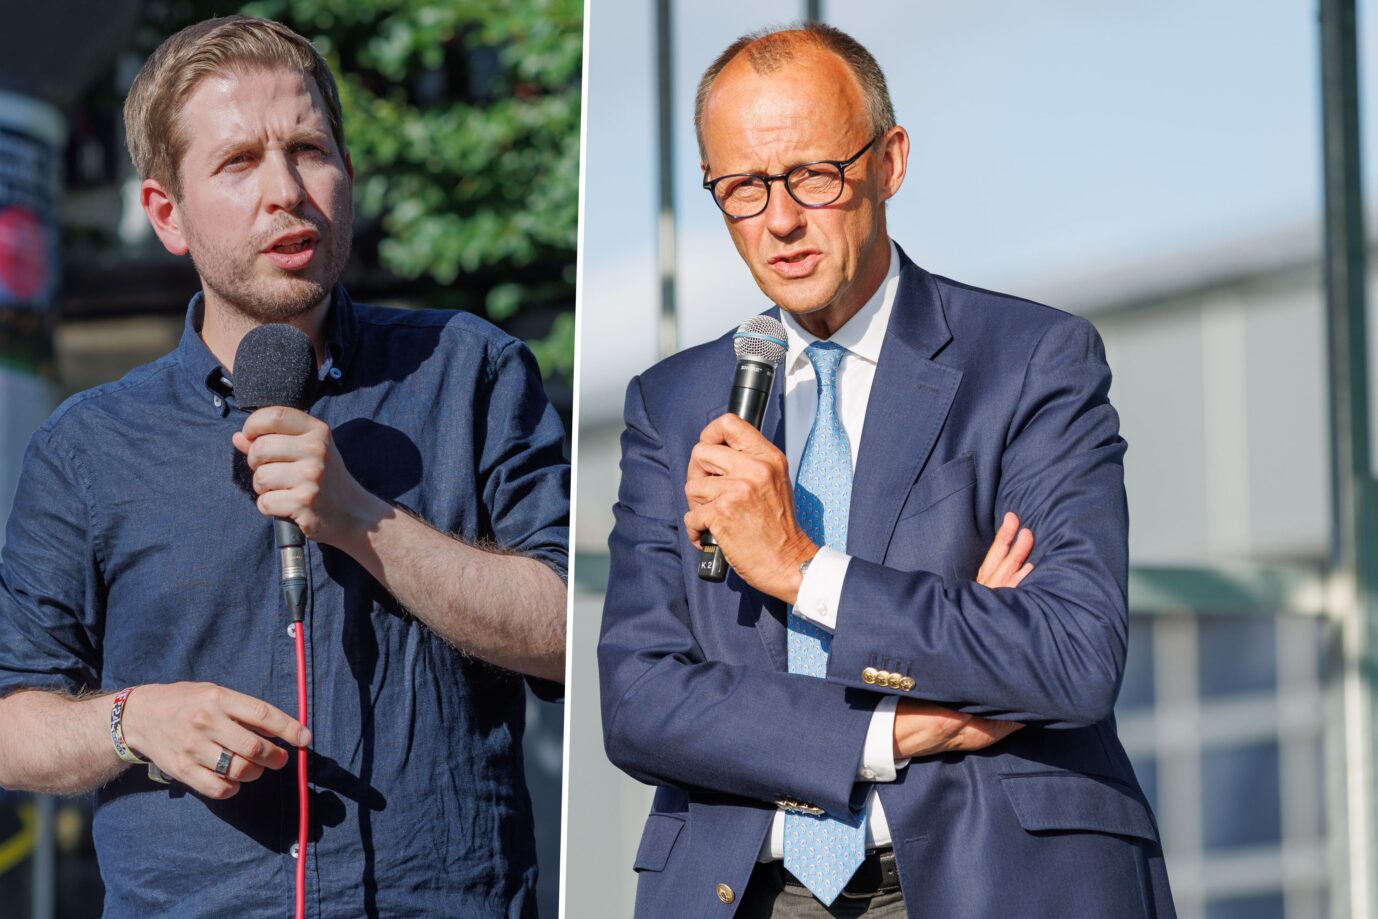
[463,122]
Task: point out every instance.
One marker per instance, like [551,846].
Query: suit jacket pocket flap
[1078,802]
[937,484]
[656,842]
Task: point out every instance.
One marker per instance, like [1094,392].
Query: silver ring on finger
[222,765]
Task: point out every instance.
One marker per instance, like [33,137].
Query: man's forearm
[55,744]
[506,609]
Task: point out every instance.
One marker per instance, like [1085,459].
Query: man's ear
[164,214]
[894,157]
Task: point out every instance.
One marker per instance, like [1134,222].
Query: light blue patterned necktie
[821,851]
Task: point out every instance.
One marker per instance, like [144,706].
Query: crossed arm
[738,484]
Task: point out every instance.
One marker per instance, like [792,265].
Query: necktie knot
[825,356]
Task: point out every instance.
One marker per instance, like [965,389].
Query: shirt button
[217,401]
[868,774]
[336,373]
[725,893]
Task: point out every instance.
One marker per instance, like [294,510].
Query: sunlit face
[265,208]
[822,263]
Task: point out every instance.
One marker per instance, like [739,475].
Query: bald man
[868,717]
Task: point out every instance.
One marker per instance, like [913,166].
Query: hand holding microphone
[298,473]
[741,498]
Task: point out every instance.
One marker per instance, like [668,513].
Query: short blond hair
[221,46]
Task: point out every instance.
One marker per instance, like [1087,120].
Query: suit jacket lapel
[909,402]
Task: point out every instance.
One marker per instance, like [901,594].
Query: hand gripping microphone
[276,365]
[760,345]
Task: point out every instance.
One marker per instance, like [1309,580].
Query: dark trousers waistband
[878,873]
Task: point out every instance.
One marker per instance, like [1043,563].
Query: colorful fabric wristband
[117,729]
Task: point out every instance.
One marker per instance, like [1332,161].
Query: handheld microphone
[760,345]
[276,365]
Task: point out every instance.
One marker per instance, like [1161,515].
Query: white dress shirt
[821,590]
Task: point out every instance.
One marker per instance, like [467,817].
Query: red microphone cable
[303,801]
[291,544]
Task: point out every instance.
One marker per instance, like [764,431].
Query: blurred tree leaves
[462,119]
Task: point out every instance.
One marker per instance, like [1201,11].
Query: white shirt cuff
[820,591]
[878,757]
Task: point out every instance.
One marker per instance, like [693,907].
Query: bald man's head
[769,51]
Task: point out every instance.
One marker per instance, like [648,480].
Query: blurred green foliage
[462,119]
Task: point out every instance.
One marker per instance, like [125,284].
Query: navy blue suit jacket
[982,404]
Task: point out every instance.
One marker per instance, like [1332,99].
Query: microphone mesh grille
[762,339]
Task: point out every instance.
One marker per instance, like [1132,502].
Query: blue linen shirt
[135,554]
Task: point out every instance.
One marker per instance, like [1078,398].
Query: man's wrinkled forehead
[212,118]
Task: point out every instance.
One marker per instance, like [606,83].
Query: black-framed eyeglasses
[816,184]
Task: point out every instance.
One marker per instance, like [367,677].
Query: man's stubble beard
[235,285]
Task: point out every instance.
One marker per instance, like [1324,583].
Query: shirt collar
[862,335]
[214,383]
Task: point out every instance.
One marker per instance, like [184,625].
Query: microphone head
[274,365]
[761,339]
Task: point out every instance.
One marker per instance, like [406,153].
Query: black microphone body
[750,394]
[275,364]
[751,391]
[760,344]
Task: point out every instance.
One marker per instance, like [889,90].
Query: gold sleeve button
[896,681]
[725,893]
[907,683]
[868,675]
[882,677]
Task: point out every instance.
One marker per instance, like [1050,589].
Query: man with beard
[139,615]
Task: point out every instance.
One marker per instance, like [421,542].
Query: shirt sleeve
[820,591]
[878,763]
[523,474]
[51,612]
